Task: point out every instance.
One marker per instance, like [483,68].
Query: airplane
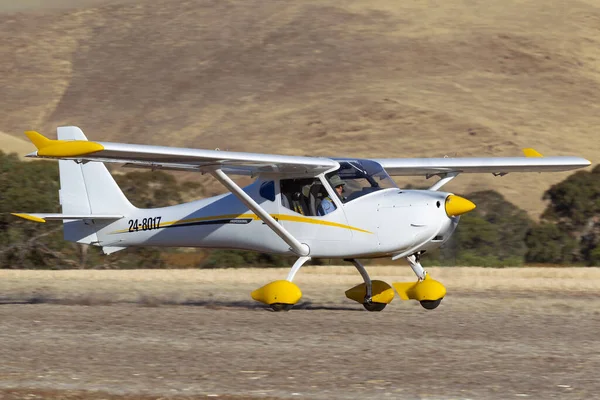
[281,212]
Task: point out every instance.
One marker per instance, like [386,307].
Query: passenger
[327,204]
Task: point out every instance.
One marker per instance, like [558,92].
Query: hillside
[13,144]
[359,78]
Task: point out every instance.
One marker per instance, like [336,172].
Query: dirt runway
[482,346]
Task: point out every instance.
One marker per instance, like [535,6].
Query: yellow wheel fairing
[284,292]
[381,292]
[427,289]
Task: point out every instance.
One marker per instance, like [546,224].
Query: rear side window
[302,195]
[267,190]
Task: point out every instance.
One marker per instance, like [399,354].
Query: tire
[430,304]
[277,307]
[374,307]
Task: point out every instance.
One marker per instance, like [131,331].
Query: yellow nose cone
[456,205]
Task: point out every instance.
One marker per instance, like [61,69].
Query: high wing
[494,165]
[73,144]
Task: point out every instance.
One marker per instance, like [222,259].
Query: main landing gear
[281,307]
[374,295]
[281,295]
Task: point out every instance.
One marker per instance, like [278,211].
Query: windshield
[361,177]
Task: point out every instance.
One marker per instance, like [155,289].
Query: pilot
[327,204]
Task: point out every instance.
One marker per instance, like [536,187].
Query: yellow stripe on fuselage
[280,217]
[294,218]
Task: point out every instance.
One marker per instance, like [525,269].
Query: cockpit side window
[360,177]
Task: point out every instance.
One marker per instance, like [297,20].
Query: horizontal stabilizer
[61,217]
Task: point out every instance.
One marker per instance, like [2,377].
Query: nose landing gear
[427,291]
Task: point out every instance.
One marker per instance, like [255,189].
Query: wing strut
[444,179]
[299,248]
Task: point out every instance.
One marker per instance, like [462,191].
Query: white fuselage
[383,223]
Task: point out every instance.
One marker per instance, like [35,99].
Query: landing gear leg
[293,271]
[415,263]
[296,267]
[363,272]
[368,302]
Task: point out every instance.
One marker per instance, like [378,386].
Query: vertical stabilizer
[87,188]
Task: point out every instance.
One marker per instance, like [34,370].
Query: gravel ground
[493,345]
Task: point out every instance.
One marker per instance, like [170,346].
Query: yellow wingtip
[29,217]
[40,141]
[529,152]
[62,148]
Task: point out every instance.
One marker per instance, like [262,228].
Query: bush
[492,235]
[570,228]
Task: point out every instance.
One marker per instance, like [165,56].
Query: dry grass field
[357,78]
[141,335]
[182,286]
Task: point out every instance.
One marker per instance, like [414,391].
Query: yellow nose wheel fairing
[428,291]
